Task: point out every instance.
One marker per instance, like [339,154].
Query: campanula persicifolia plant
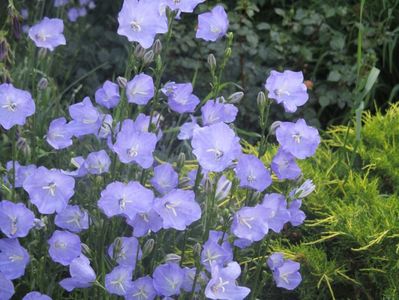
[149,192]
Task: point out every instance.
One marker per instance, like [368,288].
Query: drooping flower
[73,14]
[142,223]
[285,272]
[216,252]
[180,97]
[135,146]
[187,129]
[97,162]
[298,138]
[297,216]
[64,247]
[251,223]
[287,88]
[59,134]
[168,279]
[21,172]
[216,146]
[140,21]
[215,111]
[49,190]
[277,204]
[223,283]
[126,251]
[284,165]
[86,118]
[13,258]
[141,289]
[213,25]
[125,199]
[178,209]
[252,173]
[36,296]
[82,274]
[15,219]
[72,218]
[140,89]
[48,33]
[15,106]
[108,95]
[6,288]
[119,281]
[165,178]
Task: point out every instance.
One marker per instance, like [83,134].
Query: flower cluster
[128,187]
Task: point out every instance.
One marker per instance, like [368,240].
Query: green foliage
[350,244]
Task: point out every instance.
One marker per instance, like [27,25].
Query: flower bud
[139,51]
[172,258]
[261,100]
[39,224]
[23,146]
[181,160]
[208,186]
[3,49]
[86,250]
[148,247]
[157,47]
[212,61]
[148,57]
[274,127]
[228,52]
[197,249]
[117,248]
[42,84]
[236,97]
[16,27]
[122,82]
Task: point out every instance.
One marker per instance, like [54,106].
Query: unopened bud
[86,249]
[157,47]
[197,249]
[139,52]
[16,27]
[148,247]
[122,82]
[208,186]
[23,146]
[274,127]
[148,57]
[3,49]
[228,52]
[261,100]
[236,97]
[181,160]
[172,258]
[212,61]
[42,84]
[117,248]
[230,37]
[309,84]
[39,224]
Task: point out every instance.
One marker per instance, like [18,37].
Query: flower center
[251,178]
[246,221]
[133,151]
[219,286]
[141,293]
[297,138]
[41,36]
[281,92]
[52,187]
[172,207]
[135,26]
[14,227]
[215,29]
[14,258]
[10,106]
[60,245]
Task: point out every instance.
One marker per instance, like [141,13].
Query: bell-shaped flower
[97,162]
[48,33]
[119,281]
[187,129]
[86,119]
[82,274]
[108,95]
[287,88]
[284,165]
[59,134]
[64,247]
[140,89]
[215,111]
[15,106]
[298,138]
[297,216]
[125,199]
[285,272]
[165,178]
[125,251]
[141,289]
[168,279]
[21,172]
[72,218]
[252,173]
[213,25]
[223,283]
[146,222]
[181,98]
[36,296]
[6,288]
[13,259]
[216,252]
[216,146]
[178,209]
[15,219]
[49,190]
[279,215]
